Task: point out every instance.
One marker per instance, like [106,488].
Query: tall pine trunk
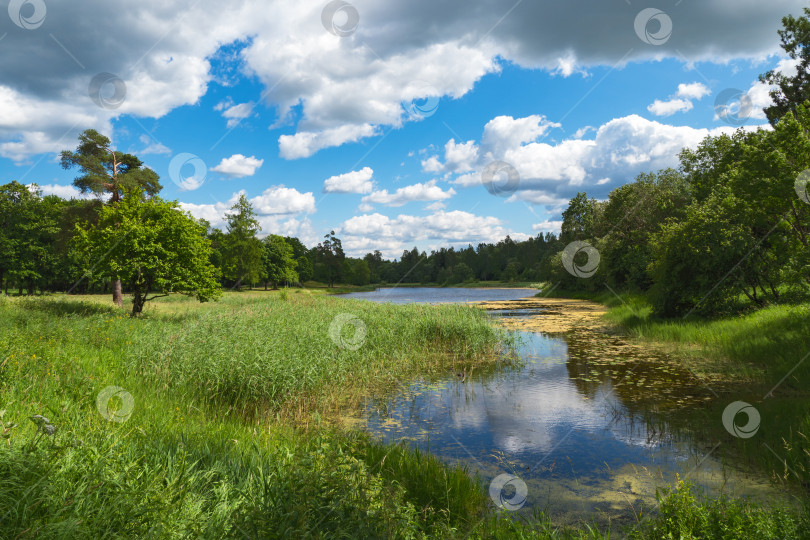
[118,295]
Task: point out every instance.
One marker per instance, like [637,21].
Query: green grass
[230,433]
[685,515]
[214,446]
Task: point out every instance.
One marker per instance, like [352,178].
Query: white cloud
[238,166]
[277,210]
[65,192]
[435,206]
[350,182]
[547,226]
[428,191]
[681,101]
[695,90]
[550,174]
[670,107]
[504,132]
[153,146]
[234,113]
[581,132]
[758,95]
[283,200]
[361,234]
[460,157]
[305,143]
[432,165]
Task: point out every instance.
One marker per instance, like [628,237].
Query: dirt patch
[550,315]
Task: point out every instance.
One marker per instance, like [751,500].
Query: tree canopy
[154,247]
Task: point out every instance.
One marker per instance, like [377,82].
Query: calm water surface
[590,426]
[439,295]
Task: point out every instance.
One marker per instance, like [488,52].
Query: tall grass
[200,455]
[214,446]
[277,355]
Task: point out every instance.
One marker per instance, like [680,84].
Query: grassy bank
[759,346]
[228,433]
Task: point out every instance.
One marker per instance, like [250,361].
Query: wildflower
[43,424]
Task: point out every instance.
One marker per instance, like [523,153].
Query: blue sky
[381,124]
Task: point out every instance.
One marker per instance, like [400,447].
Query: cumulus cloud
[427,191]
[681,101]
[670,107]
[361,234]
[350,182]
[305,143]
[695,90]
[547,226]
[238,166]
[65,192]
[551,173]
[278,211]
[332,90]
[283,200]
[757,96]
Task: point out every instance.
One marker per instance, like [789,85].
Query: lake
[589,424]
[439,295]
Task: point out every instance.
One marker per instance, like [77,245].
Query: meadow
[225,422]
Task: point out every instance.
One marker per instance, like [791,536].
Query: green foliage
[153,246]
[242,252]
[791,91]
[462,272]
[279,264]
[683,516]
[329,258]
[304,268]
[107,171]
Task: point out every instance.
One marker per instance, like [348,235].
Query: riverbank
[755,347]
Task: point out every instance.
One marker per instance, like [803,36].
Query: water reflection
[582,420]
